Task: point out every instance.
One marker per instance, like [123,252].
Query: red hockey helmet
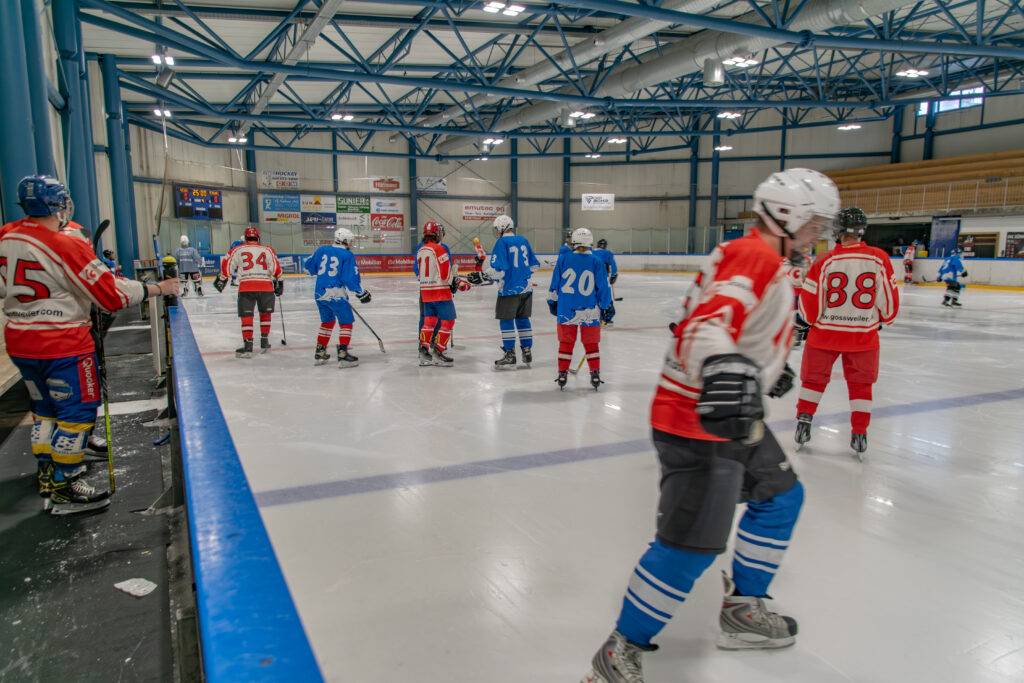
[433,229]
[252,234]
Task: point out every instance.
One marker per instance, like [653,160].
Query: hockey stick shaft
[102,362]
[578,367]
[380,342]
[284,333]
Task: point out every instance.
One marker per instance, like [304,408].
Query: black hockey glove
[278,287]
[475,277]
[364,296]
[553,307]
[730,402]
[964,274]
[220,282]
[784,383]
[613,278]
[479,261]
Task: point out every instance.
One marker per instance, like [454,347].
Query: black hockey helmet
[602,243]
[851,221]
[107,253]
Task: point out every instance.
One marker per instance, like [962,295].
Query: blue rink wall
[249,627]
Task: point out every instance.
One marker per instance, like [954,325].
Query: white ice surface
[909,567]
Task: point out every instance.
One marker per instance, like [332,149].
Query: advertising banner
[315,236]
[211,265]
[385,263]
[279,180]
[944,236]
[318,203]
[482,212]
[353,204]
[431,185]
[389,222]
[354,221]
[386,205]
[598,202]
[387,184]
[280,208]
[1014,245]
[312,218]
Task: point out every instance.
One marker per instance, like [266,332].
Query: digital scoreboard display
[198,203]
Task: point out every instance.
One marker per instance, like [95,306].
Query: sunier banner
[598,202]
[353,204]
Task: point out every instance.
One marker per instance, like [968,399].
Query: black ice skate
[859,444]
[95,448]
[508,360]
[246,350]
[73,495]
[803,429]
[527,354]
[346,359]
[441,359]
[264,343]
[425,357]
[320,356]
[595,379]
[563,377]
[44,477]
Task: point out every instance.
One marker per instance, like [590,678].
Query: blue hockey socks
[525,332]
[762,540]
[508,334]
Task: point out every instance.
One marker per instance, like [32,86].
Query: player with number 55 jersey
[849,293]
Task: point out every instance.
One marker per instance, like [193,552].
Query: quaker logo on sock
[88,379]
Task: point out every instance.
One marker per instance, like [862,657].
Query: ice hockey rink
[467,524]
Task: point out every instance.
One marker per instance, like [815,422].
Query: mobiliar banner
[385,263]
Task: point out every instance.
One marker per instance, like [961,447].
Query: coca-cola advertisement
[387,221]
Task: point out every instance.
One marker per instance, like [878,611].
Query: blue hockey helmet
[43,195]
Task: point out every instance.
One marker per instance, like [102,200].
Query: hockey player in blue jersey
[951,270]
[608,259]
[237,243]
[578,294]
[567,247]
[336,274]
[511,264]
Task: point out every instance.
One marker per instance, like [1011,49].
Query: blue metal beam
[37,90]
[119,179]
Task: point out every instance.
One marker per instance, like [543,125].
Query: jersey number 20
[585,284]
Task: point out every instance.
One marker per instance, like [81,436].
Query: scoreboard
[198,203]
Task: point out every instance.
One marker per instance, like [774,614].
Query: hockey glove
[278,287]
[364,296]
[730,402]
[479,261]
[462,284]
[220,282]
[553,307]
[964,274]
[784,383]
[454,286]
[613,278]
[475,277]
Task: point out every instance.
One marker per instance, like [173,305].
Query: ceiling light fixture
[729,115]
[617,141]
[593,156]
[722,148]
[850,126]
[232,139]
[481,159]
[494,141]
[912,73]
[741,62]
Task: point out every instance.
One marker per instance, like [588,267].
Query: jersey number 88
[863,295]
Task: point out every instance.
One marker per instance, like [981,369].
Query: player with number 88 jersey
[849,292]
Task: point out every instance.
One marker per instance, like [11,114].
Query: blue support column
[80,167]
[513,199]
[334,159]
[713,215]
[929,133]
[694,166]
[17,160]
[566,179]
[782,144]
[250,166]
[897,134]
[38,90]
[414,200]
[131,186]
[119,179]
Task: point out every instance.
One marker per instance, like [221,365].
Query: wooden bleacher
[978,181]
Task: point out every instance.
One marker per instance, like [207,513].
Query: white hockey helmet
[344,236]
[581,237]
[503,224]
[788,200]
[184,240]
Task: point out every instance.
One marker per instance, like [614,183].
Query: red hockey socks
[246,327]
[860,406]
[810,395]
[444,334]
[590,335]
[344,335]
[427,331]
[323,337]
[566,342]
[264,324]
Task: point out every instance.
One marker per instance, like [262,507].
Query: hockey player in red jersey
[48,282]
[259,277]
[908,264]
[714,449]
[438,277]
[849,292]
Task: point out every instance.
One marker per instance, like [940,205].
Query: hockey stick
[284,334]
[380,342]
[615,298]
[102,358]
[580,365]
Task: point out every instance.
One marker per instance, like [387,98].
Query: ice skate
[73,495]
[748,624]
[859,444]
[527,352]
[346,359]
[595,379]
[563,377]
[618,661]
[95,448]
[506,361]
[44,477]
[320,356]
[246,349]
[441,359]
[264,344]
[803,429]
[425,357]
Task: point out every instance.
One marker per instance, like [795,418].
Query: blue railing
[248,626]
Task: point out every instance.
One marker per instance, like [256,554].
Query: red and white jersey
[908,255]
[796,274]
[48,282]
[257,267]
[436,272]
[741,303]
[847,294]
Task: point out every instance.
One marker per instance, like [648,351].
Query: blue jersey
[110,264]
[608,259]
[566,249]
[513,258]
[336,273]
[580,288]
[952,267]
